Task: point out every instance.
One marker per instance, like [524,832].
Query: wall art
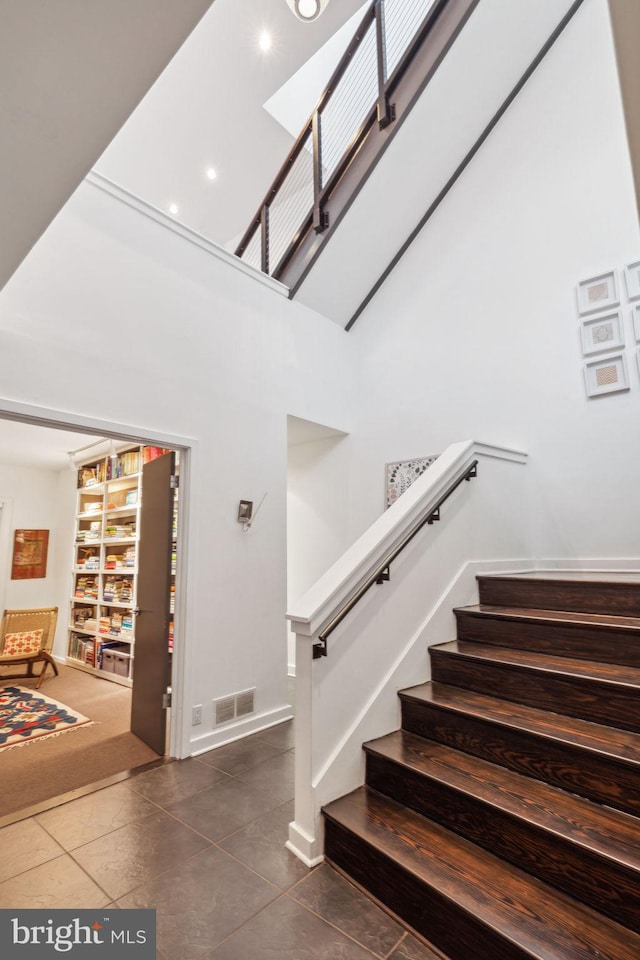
[601,333]
[632,280]
[30,554]
[607,375]
[401,474]
[598,293]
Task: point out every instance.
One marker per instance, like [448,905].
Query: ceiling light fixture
[211,174]
[307,10]
[173,209]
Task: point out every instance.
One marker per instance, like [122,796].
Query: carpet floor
[41,770]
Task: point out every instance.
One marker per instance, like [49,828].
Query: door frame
[179,733]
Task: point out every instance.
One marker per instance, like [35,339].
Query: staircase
[500,821]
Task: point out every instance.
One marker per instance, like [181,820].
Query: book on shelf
[92,473]
[86,588]
[81,615]
[152,453]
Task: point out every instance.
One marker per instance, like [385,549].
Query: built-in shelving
[104,574]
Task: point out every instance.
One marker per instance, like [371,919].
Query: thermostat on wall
[245,511]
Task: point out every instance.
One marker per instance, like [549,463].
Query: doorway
[29,446]
[317,519]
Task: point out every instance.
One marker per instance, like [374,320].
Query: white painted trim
[229,734]
[324,598]
[188,447]
[620,565]
[291,669]
[305,847]
[192,236]
[77,422]
[500,453]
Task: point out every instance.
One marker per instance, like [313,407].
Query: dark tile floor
[202,842]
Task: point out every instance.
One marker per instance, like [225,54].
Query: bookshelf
[104,575]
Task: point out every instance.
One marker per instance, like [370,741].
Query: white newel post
[305,838]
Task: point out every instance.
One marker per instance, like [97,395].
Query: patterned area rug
[27,715]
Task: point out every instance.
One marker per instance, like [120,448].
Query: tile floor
[202,842]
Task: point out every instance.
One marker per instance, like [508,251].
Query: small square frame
[606,375]
[602,333]
[598,293]
[635,313]
[632,280]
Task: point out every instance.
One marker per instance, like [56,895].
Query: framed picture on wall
[401,474]
[607,375]
[636,321]
[601,333]
[598,293]
[632,280]
[30,549]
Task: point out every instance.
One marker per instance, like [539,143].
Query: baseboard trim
[305,847]
[237,731]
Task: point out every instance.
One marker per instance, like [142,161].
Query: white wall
[117,318]
[317,517]
[476,331]
[30,499]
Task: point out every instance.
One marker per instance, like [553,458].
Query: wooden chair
[26,636]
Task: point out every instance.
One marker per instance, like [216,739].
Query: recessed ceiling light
[173,209]
[211,174]
[308,9]
[264,41]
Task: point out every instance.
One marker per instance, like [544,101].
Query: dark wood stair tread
[611,741]
[577,668]
[525,614]
[593,593]
[602,830]
[543,922]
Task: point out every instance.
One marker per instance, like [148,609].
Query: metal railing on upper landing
[357,97]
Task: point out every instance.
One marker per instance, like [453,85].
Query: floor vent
[238,705]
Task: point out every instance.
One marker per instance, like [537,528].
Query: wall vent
[237,705]
[225,710]
[244,703]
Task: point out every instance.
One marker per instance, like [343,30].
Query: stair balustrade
[357,101]
[376,645]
